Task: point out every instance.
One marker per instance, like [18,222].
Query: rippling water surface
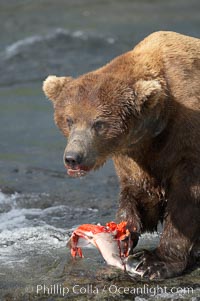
[39,205]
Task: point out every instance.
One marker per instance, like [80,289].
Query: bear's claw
[150,266]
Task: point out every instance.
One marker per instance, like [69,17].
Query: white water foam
[5,199]
[14,48]
[24,231]
[16,246]
[17,46]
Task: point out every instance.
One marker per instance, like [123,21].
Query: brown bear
[142,110]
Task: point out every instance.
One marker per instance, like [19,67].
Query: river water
[39,204]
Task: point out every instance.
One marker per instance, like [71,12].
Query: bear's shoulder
[168,43]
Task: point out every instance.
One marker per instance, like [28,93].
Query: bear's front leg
[128,210]
[142,209]
[141,199]
[181,231]
[169,259]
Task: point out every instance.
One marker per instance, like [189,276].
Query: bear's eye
[69,122]
[99,125]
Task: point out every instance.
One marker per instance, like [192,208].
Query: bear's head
[103,116]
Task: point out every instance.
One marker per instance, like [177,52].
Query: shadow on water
[39,204]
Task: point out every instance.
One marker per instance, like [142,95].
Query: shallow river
[39,204]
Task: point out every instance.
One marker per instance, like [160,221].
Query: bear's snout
[72,159]
[78,157]
[74,163]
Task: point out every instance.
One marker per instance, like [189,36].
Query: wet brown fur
[150,99]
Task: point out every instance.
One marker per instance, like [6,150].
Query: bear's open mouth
[77,172]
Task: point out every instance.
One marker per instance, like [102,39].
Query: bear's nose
[72,159]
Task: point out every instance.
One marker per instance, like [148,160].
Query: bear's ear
[147,93]
[53,85]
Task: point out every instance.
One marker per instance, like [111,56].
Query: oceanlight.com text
[90,289]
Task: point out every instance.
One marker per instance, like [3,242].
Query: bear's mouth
[78,171]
